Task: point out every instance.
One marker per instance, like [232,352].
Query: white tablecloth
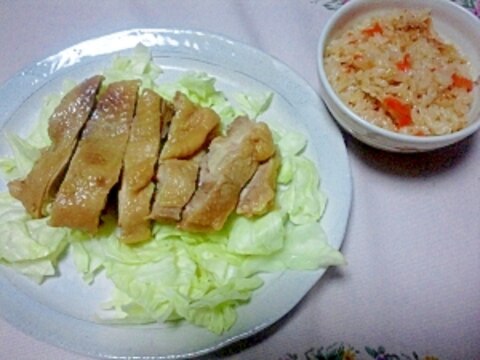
[412,282]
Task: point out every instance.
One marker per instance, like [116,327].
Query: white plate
[61,310]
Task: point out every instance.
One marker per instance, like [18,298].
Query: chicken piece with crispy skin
[96,164]
[141,154]
[190,129]
[177,181]
[229,164]
[258,196]
[64,128]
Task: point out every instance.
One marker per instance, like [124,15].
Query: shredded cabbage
[137,66]
[27,245]
[200,278]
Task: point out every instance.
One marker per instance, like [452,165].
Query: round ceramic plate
[61,311]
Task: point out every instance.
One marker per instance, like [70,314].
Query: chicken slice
[141,154]
[167,110]
[64,127]
[190,129]
[96,164]
[258,196]
[229,164]
[177,181]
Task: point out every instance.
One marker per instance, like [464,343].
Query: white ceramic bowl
[452,22]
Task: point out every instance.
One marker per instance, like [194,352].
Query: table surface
[411,287]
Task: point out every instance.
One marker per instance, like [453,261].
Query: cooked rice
[364,66]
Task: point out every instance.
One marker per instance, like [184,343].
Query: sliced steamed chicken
[229,164]
[96,164]
[64,128]
[191,130]
[141,154]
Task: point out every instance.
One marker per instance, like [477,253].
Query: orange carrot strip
[405,64]
[375,29]
[462,82]
[399,111]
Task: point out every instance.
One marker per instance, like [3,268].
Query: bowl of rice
[402,75]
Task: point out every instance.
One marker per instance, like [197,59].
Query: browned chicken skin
[139,162]
[64,127]
[229,164]
[96,164]
[177,181]
[189,130]
[258,196]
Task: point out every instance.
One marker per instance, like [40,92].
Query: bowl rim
[468,130]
